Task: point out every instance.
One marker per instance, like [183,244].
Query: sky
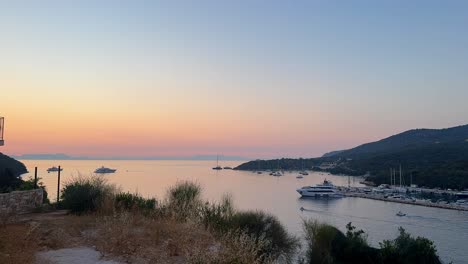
[259,79]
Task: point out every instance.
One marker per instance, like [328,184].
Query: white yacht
[54,169]
[104,170]
[326,189]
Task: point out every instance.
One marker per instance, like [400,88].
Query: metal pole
[35,178]
[58,185]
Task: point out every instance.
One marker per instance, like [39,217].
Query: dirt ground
[57,237]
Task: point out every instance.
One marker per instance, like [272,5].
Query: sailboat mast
[400,175]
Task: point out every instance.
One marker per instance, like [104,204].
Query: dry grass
[136,238]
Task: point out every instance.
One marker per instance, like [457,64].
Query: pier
[389,199]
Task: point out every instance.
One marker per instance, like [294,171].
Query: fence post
[35,178]
[58,185]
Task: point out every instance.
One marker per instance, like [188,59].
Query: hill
[428,157]
[10,170]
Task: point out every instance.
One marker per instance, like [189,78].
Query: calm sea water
[447,228]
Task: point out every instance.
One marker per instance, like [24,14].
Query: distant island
[61,156]
[428,157]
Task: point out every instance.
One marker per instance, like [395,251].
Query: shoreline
[373,197]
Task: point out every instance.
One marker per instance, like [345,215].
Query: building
[1,130]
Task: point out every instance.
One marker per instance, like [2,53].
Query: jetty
[404,201]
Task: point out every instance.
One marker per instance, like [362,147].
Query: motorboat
[104,170]
[304,173]
[54,169]
[276,173]
[259,172]
[227,168]
[400,213]
[299,176]
[326,190]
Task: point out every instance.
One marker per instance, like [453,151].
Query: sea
[276,195]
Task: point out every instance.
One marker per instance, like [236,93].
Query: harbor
[380,197]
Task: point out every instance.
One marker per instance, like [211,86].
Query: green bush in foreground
[129,201]
[183,200]
[85,194]
[326,244]
[29,185]
[266,227]
[407,250]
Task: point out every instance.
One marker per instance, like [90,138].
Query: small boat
[326,190]
[400,214]
[299,176]
[227,168]
[276,173]
[304,173]
[104,170]
[54,169]
[259,172]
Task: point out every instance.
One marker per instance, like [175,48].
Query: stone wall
[20,201]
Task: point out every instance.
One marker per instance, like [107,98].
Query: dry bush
[134,236]
[233,247]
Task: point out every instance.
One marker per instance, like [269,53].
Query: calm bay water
[447,228]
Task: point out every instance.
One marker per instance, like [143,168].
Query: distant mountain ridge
[414,138]
[61,156]
[428,157]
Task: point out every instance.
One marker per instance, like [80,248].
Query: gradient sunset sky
[252,78]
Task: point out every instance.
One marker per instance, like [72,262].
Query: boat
[54,169]
[299,176]
[227,168]
[400,213]
[104,170]
[326,190]
[259,172]
[276,173]
[303,172]
[217,165]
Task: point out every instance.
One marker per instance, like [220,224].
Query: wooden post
[35,178]
[58,185]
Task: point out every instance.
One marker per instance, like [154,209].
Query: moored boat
[54,169]
[326,190]
[104,170]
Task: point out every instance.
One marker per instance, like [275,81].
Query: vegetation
[326,244]
[30,184]
[429,157]
[10,171]
[85,194]
[130,201]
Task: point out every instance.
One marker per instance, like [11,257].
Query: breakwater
[395,200]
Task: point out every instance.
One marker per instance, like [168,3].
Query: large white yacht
[326,190]
[104,170]
[54,169]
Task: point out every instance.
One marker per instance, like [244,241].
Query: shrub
[85,194]
[216,216]
[266,227]
[184,200]
[129,201]
[235,248]
[29,185]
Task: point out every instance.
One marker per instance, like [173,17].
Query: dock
[394,200]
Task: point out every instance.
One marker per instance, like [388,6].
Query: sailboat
[217,165]
[303,172]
